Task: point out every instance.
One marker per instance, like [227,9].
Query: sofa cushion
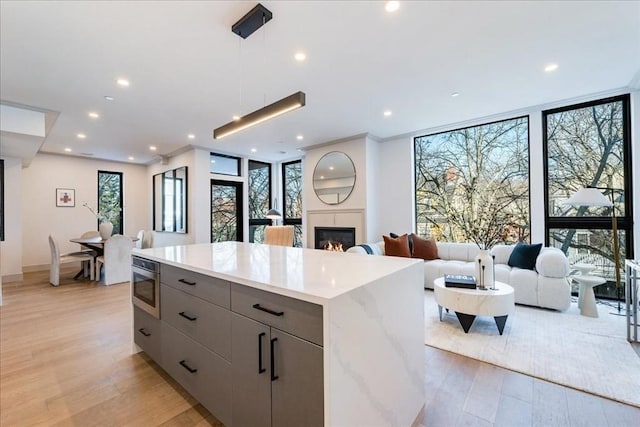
[552,262]
[398,246]
[524,256]
[424,248]
[502,253]
[459,251]
[395,236]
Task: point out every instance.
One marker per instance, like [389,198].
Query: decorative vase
[484,269]
[106,228]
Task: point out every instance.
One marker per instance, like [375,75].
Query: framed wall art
[65,197]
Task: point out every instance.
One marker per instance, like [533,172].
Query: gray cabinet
[147,333]
[277,377]
[204,374]
[251,357]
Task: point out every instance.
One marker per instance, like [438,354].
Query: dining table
[96,244]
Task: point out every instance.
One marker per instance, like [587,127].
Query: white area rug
[590,354]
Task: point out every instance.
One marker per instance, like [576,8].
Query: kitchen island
[291,336]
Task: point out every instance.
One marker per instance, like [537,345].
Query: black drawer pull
[143,332]
[266,310]
[186,282]
[183,363]
[273,359]
[260,368]
[186,316]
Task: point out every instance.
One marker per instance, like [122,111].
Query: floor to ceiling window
[110,198]
[472,184]
[589,145]
[259,183]
[292,203]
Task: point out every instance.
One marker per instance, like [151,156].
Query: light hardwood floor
[66,360]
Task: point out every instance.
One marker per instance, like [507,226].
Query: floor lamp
[592,196]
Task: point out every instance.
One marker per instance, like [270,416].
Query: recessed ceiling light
[131,158]
[81,135]
[191,136]
[387,113]
[454,94]
[300,56]
[331,168]
[551,67]
[299,137]
[235,118]
[123,82]
[253,150]
[213,161]
[153,148]
[68,150]
[392,6]
[94,115]
[299,149]
[321,176]
[108,98]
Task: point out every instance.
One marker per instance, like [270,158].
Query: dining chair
[116,260]
[57,259]
[87,235]
[280,235]
[147,239]
[140,237]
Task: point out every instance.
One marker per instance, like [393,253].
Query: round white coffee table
[469,303]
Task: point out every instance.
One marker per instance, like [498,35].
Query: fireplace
[332,237]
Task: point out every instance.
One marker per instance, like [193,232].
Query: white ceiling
[189,73]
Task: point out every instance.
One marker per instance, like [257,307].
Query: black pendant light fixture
[247,25]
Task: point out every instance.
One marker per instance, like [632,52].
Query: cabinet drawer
[211,325]
[208,288]
[300,318]
[147,333]
[205,375]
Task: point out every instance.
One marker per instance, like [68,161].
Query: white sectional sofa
[547,286]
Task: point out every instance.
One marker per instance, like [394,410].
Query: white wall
[11,247]
[41,217]
[395,187]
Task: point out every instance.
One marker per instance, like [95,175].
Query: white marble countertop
[307,274]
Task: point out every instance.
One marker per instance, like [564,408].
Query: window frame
[120,201]
[227,156]
[259,221]
[625,223]
[286,220]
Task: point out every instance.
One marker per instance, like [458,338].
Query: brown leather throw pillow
[397,247]
[424,248]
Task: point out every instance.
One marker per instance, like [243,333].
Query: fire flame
[334,247]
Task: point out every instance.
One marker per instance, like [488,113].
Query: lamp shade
[274,214]
[588,197]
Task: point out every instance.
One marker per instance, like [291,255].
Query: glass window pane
[292,204]
[585,147]
[595,247]
[110,199]
[225,165]
[226,211]
[472,184]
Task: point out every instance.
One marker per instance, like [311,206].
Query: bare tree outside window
[259,199]
[292,203]
[226,211]
[472,184]
[589,145]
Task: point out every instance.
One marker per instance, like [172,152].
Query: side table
[586,297]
